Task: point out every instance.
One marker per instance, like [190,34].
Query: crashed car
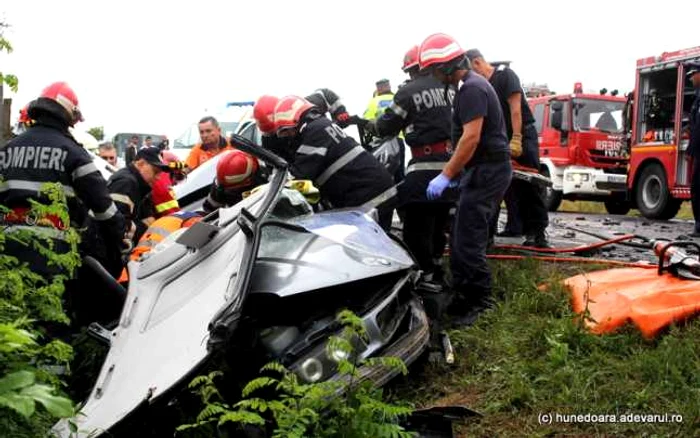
[264,277]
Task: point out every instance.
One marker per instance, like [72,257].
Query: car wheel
[653,197]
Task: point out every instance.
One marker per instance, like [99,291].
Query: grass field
[530,357]
[598,207]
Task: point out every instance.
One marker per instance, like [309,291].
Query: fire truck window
[598,115]
[657,105]
[538,113]
[566,116]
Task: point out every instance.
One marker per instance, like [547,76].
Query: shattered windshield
[598,115]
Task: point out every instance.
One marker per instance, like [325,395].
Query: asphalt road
[566,230]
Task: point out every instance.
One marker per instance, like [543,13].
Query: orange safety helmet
[289,112]
[410,60]
[264,113]
[63,94]
[438,49]
[235,170]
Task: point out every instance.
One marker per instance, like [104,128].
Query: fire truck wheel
[654,200]
[552,198]
[615,206]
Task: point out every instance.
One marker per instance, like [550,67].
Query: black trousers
[525,202]
[695,192]
[424,231]
[481,191]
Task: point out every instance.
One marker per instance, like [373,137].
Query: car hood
[165,328]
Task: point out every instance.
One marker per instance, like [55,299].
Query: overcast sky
[157,65]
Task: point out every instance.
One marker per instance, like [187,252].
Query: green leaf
[20,404]
[56,405]
[16,380]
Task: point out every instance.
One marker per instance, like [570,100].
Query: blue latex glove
[437,186]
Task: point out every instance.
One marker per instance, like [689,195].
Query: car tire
[552,198]
[653,197]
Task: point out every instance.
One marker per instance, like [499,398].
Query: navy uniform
[484,182]
[132,194]
[527,197]
[47,153]
[329,102]
[345,174]
[422,109]
[693,72]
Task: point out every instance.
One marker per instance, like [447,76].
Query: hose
[566,250]
[574,260]
[603,237]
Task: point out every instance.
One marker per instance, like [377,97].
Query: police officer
[236,173]
[130,188]
[345,174]
[693,73]
[524,147]
[47,153]
[380,101]
[482,157]
[423,110]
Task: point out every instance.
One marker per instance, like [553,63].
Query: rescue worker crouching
[319,150]
[130,188]
[482,156]
[47,153]
[236,173]
[422,109]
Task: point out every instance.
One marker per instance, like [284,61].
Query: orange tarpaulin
[618,296]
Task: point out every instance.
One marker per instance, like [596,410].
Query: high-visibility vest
[157,232]
[378,105]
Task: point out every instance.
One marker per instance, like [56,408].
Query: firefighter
[47,153]
[130,188]
[164,200]
[345,174]
[482,156]
[212,143]
[423,110]
[693,73]
[524,147]
[236,173]
[381,100]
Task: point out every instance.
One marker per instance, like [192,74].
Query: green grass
[530,356]
[685,212]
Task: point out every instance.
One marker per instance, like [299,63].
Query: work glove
[436,186]
[516,145]
[177,165]
[342,120]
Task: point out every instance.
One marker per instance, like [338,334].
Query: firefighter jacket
[378,105]
[164,200]
[423,110]
[132,195]
[329,102]
[343,171]
[47,153]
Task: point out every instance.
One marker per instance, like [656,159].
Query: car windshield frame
[600,106]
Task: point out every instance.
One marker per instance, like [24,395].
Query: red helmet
[264,112]
[235,170]
[410,59]
[289,111]
[439,49]
[63,94]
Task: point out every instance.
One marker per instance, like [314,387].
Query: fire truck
[581,146]
[658,125]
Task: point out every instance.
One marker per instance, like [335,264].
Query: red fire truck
[660,170]
[581,146]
